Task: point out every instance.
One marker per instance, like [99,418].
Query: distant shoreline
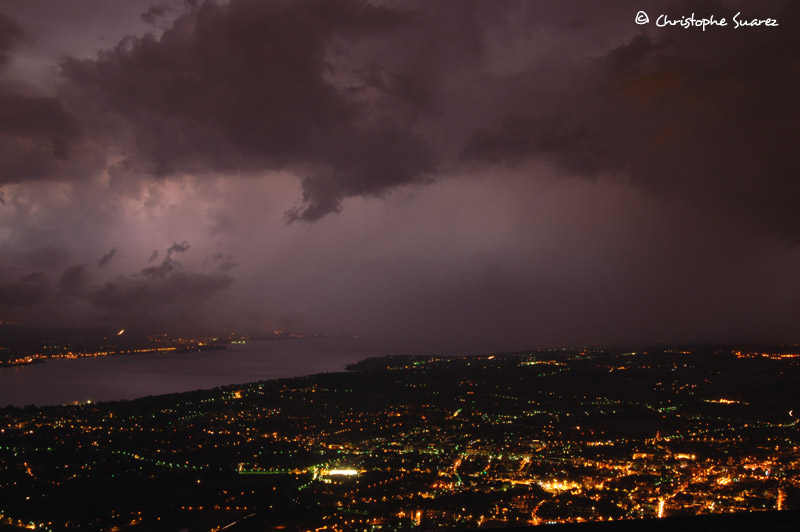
[43,359]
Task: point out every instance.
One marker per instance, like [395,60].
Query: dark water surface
[130,376]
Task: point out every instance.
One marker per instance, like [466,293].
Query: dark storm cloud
[355,97]
[10,32]
[29,290]
[158,292]
[36,133]
[168,265]
[710,116]
[35,136]
[159,288]
[223,223]
[155,12]
[244,87]
[161,271]
[43,257]
[105,259]
[151,297]
[222,262]
[136,300]
[73,280]
[177,247]
[161,11]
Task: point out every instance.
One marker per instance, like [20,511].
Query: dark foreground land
[508,440]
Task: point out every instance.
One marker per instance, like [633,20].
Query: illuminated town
[406,442]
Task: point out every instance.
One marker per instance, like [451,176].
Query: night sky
[454,175]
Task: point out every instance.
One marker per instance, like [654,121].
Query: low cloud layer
[169,291]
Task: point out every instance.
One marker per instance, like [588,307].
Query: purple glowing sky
[457,174]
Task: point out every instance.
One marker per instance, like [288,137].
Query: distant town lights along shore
[691,21]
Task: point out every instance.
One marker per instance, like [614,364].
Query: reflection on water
[130,376]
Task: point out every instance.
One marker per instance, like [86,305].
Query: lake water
[130,376]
